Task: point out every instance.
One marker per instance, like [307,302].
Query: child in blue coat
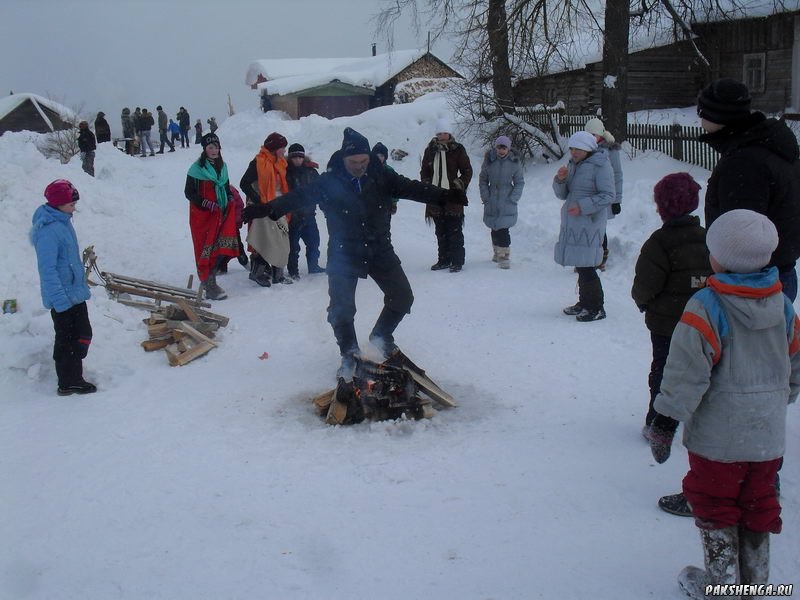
[63,285]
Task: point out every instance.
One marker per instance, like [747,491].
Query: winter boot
[573,310]
[721,557]
[279,277]
[382,334]
[441,265]
[675,504]
[496,255]
[213,291]
[83,387]
[242,258]
[753,557]
[258,271]
[588,314]
[504,258]
[315,268]
[590,297]
[345,334]
[456,268]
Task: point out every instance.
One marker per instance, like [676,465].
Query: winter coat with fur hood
[501,181]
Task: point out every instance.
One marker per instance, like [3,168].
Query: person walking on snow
[607,145]
[212,215]
[302,171]
[102,130]
[146,123]
[63,285]
[355,195]
[87,147]
[445,164]
[501,182]
[733,367]
[184,123]
[163,130]
[586,185]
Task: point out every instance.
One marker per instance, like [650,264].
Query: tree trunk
[615,68]
[497,28]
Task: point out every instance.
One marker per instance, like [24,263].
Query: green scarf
[209,173]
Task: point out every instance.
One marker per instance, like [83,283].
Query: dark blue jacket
[359,236]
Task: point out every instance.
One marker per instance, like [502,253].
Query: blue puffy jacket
[60,268]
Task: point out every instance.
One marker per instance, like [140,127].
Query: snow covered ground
[217,481]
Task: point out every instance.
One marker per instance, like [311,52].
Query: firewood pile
[383,391]
[178,322]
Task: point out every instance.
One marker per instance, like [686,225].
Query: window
[753,71]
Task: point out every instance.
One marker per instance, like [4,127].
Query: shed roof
[9,103]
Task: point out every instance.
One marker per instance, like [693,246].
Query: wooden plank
[150,294]
[196,334]
[137,303]
[196,352]
[430,389]
[154,285]
[188,310]
[173,354]
[323,401]
[151,345]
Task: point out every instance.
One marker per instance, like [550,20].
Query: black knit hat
[354,143]
[275,141]
[723,101]
[210,138]
[296,151]
[380,148]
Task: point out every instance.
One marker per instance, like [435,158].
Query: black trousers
[303,228]
[397,296]
[660,353]
[73,336]
[450,238]
[590,290]
[501,238]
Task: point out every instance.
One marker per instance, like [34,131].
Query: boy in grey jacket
[733,368]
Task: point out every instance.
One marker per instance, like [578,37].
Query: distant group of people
[718,303]
[137,129]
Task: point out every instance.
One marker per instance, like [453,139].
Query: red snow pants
[729,494]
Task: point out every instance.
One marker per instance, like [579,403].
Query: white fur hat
[742,241]
[443,125]
[595,127]
[583,140]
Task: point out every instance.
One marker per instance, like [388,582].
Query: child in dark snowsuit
[63,285]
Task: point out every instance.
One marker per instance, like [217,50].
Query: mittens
[662,430]
[255,211]
[616,208]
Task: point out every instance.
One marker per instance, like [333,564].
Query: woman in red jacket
[212,215]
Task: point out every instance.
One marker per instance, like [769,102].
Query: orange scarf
[268,167]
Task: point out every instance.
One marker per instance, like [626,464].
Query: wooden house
[763,52]
[345,86]
[29,112]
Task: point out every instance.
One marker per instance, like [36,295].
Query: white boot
[504,258]
[496,256]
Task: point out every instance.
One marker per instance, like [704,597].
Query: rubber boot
[721,557]
[753,557]
[382,333]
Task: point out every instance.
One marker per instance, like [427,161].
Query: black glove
[662,430]
[256,211]
[616,208]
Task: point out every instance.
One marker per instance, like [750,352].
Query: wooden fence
[678,141]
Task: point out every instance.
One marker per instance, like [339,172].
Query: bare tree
[63,143]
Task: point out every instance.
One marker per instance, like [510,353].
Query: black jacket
[184,121]
[672,266]
[86,141]
[298,177]
[359,236]
[102,130]
[758,170]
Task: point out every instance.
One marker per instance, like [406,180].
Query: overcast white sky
[107,54]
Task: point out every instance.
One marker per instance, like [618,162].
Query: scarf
[271,175]
[440,178]
[209,173]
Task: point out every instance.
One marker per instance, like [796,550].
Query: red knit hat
[60,192]
[676,195]
[275,141]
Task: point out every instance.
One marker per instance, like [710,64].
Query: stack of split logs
[178,322]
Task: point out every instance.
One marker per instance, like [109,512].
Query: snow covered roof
[291,75]
[9,103]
